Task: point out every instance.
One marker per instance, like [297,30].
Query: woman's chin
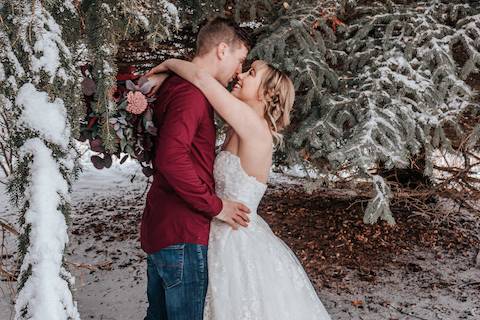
[235,92]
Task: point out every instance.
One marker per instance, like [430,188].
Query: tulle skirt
[253,275]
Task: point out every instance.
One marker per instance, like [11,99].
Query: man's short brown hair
[218,30]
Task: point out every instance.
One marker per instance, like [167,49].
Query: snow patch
[300,171]
[13,82]
[7,53]
[2,72]
[171,15]
[70,6]
[48,118]
[251,24]
[48,44]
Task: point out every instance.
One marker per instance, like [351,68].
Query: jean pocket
[170,261]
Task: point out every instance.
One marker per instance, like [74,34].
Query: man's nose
[239,69]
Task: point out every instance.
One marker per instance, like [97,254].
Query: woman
[252,273]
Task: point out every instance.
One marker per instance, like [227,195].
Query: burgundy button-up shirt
[181,200]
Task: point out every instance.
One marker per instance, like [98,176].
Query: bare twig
[106,265]
[5,225]
[7,274]
[402,312]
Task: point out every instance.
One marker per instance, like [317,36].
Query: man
[181,201]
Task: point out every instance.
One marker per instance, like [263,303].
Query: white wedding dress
[253,275]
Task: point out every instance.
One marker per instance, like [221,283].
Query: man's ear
[222,50]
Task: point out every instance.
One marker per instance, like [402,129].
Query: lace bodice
[233,183]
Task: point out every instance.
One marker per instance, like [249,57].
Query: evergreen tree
[40,83]
[377,82]
[40,95]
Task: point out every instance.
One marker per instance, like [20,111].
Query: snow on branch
[47,118]
[381,87]
[158,18]
[48,50]
[468,35]
[379,206]
[45,294]
[303,46]
[41,79]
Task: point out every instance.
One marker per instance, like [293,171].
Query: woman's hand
[161,68]
[157,75]
[156,80]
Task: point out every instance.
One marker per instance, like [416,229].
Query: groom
[181,201]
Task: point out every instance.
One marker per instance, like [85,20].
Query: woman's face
[248,84]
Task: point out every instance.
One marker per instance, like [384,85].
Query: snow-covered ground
[108,286]
[118,293]
[109,267]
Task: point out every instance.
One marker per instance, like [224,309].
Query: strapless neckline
[233,155]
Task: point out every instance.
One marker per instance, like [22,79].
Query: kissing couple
[209,255]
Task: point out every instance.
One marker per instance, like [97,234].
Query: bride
[252,273]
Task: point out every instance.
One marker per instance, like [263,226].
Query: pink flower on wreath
[137,103]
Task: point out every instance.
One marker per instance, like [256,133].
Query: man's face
[231,63]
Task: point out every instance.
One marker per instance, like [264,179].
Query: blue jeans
[177,282]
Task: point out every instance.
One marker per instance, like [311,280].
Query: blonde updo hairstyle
[278,93]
